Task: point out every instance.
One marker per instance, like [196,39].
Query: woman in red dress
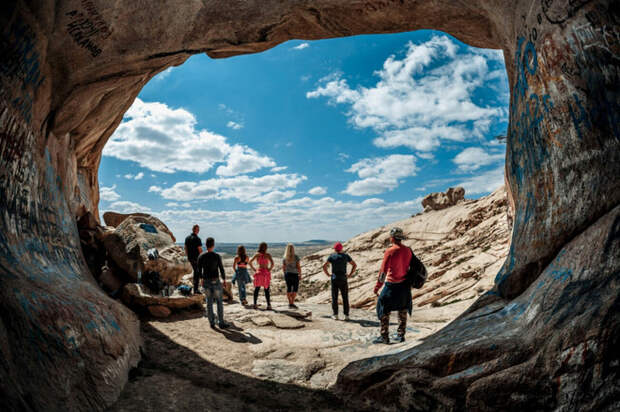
[262,275]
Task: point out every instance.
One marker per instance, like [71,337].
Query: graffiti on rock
[86,27]
[20,66]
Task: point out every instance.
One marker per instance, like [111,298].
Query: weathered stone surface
[110,281]
[70,69]
[556,338]
[115,219]
[137,295]
[159,311]
[440,200]
[128,246]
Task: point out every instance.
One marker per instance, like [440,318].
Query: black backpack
[416,274]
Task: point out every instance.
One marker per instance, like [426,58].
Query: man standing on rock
[193,248]
[339,276]
[209,263]
[396,295]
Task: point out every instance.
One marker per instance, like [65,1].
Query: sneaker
[255,306]
[335,317]
[293,306]
[399,338]
[269,307]
[382,339]
[224,325]
[347,318]
[212,325]
[244,302]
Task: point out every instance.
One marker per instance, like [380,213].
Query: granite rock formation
[462,247]
[115,219]
[71,68]
[440,200]
[128,246]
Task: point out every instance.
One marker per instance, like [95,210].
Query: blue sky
[310,140]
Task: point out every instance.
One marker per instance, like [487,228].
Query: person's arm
[250,263]
[382,273]
[353,267]
[270,261]
[221,267]
[284,266]
[298,269]
[325,268]
[235,263]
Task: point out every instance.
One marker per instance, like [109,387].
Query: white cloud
[485,182]
[301,46]
[380,174]
[425,97]
[108,194]
[279,168]
[261,189]
[162,75]
[317,190]
[138,176]
[473,158]
[234,125]
[124,206]
[163,139]
[343,157]
[242,159]
[291,220]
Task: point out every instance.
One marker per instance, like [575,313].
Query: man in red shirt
[396,295]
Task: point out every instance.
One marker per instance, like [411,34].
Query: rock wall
[69,69]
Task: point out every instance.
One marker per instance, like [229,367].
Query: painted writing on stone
[20,65]
[87,27]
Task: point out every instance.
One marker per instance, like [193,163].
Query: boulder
[115,219]
[129,243]
[159,311]
[440,200]
[109,281]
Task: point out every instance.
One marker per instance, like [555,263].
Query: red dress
[262,277]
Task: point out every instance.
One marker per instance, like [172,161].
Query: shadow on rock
[173,377]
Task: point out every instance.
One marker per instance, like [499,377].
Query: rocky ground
[288,359]
[266,360]
[462,247]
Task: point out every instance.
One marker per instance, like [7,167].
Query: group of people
[395,294]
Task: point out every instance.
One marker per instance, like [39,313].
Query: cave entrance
[311,143]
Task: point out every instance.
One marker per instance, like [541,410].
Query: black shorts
[292,282]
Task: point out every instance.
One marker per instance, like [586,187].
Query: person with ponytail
[262,275]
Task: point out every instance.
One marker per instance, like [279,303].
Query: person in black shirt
[193,248]
[209,263]
[339,277]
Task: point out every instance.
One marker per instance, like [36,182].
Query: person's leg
[344,290]
[256,290]
[268,297]
[209,299]
[402,322]
[196,280]
[334,297]
[295,289]
[217,289]
[385,325]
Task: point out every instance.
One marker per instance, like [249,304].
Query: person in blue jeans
[242,276]
[209,263]
[339,277]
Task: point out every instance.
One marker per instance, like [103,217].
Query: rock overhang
[72,68]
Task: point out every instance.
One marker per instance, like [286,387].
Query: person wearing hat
[339,277]
[396,295]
